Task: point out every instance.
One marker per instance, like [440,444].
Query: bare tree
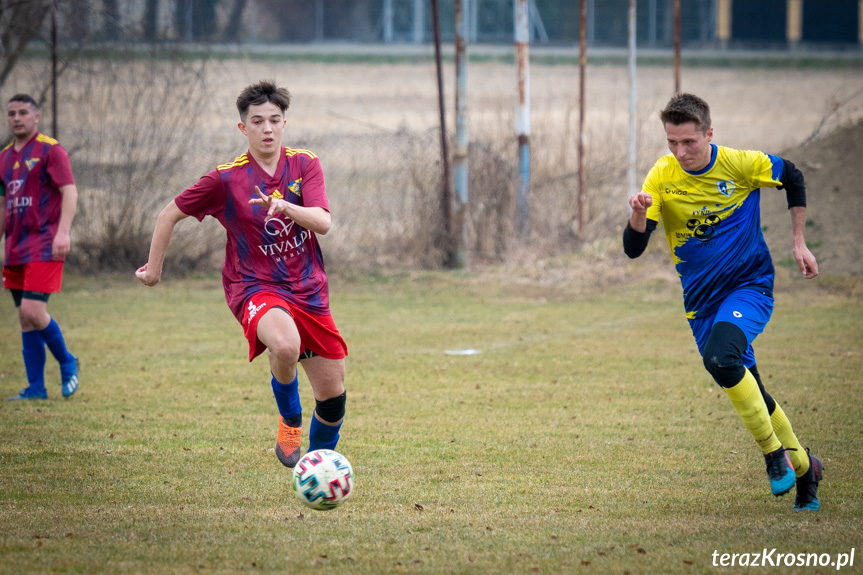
[20,22]
[231,29]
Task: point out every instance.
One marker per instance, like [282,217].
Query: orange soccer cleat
[288,443]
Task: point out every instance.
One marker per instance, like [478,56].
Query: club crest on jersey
[31,162]
[295,186]
[726,187]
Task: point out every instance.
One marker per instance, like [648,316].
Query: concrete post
[723,22]
[794,22]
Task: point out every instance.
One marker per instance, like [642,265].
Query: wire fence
[552,22]
[389,212]
[129,118]
[138,132]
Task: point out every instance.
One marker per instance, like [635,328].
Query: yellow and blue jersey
[712,221]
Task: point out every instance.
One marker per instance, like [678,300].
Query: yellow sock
[783,431]
[749,403]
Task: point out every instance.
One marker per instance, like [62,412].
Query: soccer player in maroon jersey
[39,203]
[272,203]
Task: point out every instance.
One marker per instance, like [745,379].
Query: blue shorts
[747,308]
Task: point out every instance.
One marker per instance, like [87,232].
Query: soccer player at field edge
[272,203]
[708,198]
[40,199]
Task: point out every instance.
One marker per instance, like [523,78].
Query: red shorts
[45,277]
[318,333]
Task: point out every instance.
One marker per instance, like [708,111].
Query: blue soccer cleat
[70,381]
[807,486]
[781,471]
[30,393]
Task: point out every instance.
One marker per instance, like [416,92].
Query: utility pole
[582,64]
[446,183]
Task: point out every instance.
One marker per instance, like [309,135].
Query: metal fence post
[460,157]
[388,21]
[418,22]
[522,116]
[632,101]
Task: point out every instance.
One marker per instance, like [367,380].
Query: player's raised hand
[272,204]
[640,202]
[262,199]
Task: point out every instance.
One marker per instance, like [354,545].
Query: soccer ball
[323,479]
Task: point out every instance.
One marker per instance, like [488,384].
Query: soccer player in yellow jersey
[708,198]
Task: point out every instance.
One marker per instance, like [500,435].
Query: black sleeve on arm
[795,187]
[634,243]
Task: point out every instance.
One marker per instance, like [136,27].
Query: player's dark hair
[260,93]
[26,98]
[683,108]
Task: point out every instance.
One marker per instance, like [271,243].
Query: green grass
[585,438]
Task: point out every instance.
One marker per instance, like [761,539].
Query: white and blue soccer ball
[323,479]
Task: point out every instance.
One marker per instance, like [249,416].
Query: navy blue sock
[323,436]
[288,400]
[34,358]
[53,338]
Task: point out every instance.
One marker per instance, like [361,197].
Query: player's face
[264,127]
[22,119]
[689,145]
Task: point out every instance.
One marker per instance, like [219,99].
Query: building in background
[706,24]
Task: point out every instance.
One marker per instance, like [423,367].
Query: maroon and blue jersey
[31,180]
[277,255]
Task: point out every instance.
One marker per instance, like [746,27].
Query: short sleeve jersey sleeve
[58,167]
[204,198]
[311,181]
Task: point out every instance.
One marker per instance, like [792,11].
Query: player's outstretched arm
[315,219]
[151,272]
[805,259]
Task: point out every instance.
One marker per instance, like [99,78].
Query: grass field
[584,438]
